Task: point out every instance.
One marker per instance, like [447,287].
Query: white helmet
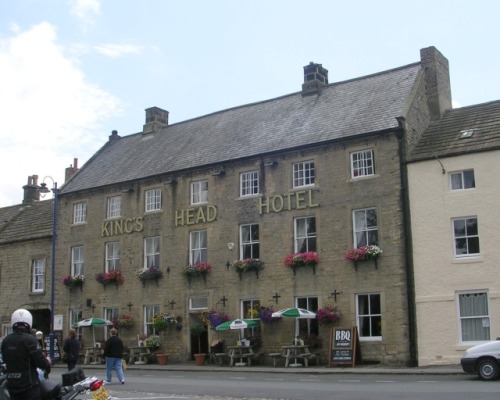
[21,316]
[39,335]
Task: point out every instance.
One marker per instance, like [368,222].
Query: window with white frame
[75,315]
[303,174]
[198,303]
[249,183]
[153,200]
[152,252]
[198,247]
[114,207]
[248,307]
[249,241]
[474,316]
[149,312]
[369,316]
[38,275]
[79,213]
[199,192]
[111,314]
[466,236]
[365,227]
[77,260]
[305,234]
[307,326]
[462,180]
[112,256]
[362,163]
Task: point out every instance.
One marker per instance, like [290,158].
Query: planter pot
[162,358]
[200,358]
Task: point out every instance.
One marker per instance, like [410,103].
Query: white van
[483,360]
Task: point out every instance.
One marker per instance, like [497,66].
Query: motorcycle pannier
[74,376]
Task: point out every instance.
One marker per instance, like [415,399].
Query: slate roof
[443,138]
[345,109]
[26,222]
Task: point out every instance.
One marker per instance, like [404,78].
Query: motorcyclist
[22,355]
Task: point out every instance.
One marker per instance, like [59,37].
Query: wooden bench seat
[275,357]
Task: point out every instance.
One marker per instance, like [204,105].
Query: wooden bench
[275,357]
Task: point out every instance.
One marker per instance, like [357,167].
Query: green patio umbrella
[294,312]
[238,324]
[93,322]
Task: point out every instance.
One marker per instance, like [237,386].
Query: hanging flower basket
[201,268]
[327,315]
[159,322]
[363,253]
[124,321]
[307,259]
[264,313]
[150,274]
[112,277]
[248,264]
[214,318]
[73,281]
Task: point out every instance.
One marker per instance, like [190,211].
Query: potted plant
[197,330]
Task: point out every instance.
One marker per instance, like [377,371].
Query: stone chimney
[315,78]
[70,171]
[31,192]
[156,119]
[437,81]
[114,136]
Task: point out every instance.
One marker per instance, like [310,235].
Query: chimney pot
[315,78]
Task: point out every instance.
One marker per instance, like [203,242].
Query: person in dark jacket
[22,355]
[113,351]
[71,350]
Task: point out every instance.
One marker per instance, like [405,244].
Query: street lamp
[43,189]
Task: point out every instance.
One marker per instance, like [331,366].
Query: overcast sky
[71,71]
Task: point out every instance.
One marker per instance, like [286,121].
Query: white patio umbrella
[93,322]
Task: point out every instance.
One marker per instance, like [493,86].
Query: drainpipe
[410,281]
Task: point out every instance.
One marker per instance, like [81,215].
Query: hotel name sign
[192,216]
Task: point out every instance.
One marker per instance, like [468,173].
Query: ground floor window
[307,327]
[369,316]
[474,316]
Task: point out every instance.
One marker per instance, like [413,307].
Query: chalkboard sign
[344,345]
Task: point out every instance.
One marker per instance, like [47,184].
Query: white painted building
[454,193]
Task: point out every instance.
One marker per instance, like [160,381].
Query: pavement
[374,369]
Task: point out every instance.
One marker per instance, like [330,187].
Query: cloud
[117,50]
[85,10]
[51,113]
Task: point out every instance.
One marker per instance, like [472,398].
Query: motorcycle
[74,384]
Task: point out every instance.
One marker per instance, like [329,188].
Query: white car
[483,360]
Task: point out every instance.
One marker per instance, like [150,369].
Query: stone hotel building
[321,170]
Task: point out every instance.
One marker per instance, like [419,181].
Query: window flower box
[248,264]
[363,253]
[150,274]
[307,259]
[73,281]
[112,277]
[201,268]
